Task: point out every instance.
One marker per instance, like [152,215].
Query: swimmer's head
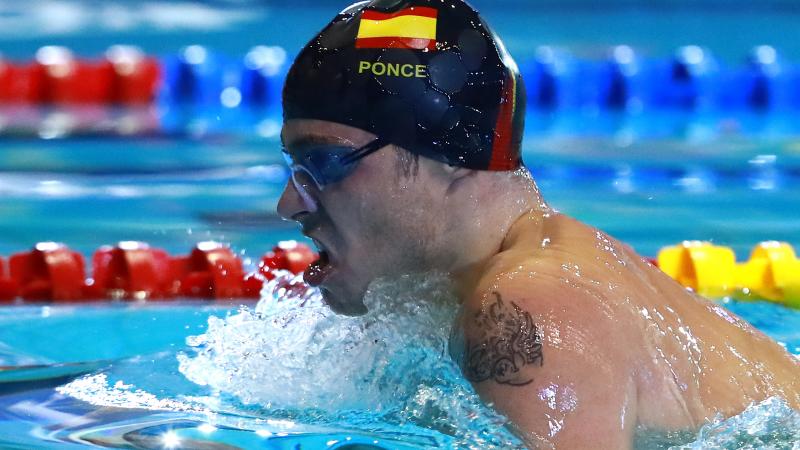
[426,75]
[384,83]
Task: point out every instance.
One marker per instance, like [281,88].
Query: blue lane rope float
[761,173]
[691,78]
[200,92]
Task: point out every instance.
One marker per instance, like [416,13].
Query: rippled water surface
[276,373]
[285,372]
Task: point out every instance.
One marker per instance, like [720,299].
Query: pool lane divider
[51,272]
[198,92]
[130,271]
[772,272]
[124,76]
[691,78]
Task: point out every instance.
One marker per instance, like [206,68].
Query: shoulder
[509,327]
[526,347]
[500,330]
[500,339]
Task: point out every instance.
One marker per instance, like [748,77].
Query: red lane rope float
[49,271]
[124,76]
[21,83]
[8,287]
[136,271]
[137,77]
[210,271]
[287,255]
[132,270]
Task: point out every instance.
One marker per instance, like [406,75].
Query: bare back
[616,338]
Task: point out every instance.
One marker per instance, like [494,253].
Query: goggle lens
[322,165]
[329,164]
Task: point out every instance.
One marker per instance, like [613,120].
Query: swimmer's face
[376,222]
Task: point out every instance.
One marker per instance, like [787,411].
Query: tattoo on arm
[508,341]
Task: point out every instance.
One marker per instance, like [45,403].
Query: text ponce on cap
[427,75]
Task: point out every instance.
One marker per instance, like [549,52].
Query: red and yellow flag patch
[412,28]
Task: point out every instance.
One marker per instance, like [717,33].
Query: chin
[353,306]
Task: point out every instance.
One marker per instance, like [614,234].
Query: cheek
[357,208]
[398,226]
[374,214]
[381,217]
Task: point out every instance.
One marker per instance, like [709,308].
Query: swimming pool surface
[173,193]
[132,375]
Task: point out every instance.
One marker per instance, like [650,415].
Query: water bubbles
[291,353]
[97,390]
[572,268]
[769,424]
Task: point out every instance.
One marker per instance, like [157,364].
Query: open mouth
[316,273]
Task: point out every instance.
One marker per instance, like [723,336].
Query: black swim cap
[427,75]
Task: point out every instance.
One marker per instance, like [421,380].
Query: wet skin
[375,222]
[622,345]
[568,332]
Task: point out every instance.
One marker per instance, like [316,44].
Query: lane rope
[52,272]
[624,80]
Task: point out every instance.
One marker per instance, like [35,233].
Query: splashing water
[771,424]
[292,355]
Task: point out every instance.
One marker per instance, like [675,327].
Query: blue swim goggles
[328,164]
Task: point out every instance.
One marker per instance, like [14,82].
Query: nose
[294,200]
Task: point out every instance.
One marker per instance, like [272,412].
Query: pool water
[285,373]
[736,190]
[125,375]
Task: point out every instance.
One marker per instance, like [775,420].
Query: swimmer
[402,127]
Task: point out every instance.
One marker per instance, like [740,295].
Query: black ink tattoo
[508,341]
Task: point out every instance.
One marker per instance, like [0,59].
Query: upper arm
[550,367]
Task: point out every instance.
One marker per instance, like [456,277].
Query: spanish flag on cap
[413,27]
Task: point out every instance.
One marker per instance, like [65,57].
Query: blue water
[251,377]
[147,375]
[736,191]
[584,26]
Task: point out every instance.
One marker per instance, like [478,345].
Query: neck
[489,233]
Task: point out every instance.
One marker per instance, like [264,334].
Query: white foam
[391,364]
[293,352]
[97,390]
[771,424]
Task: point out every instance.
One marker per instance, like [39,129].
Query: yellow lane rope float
[771,273]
